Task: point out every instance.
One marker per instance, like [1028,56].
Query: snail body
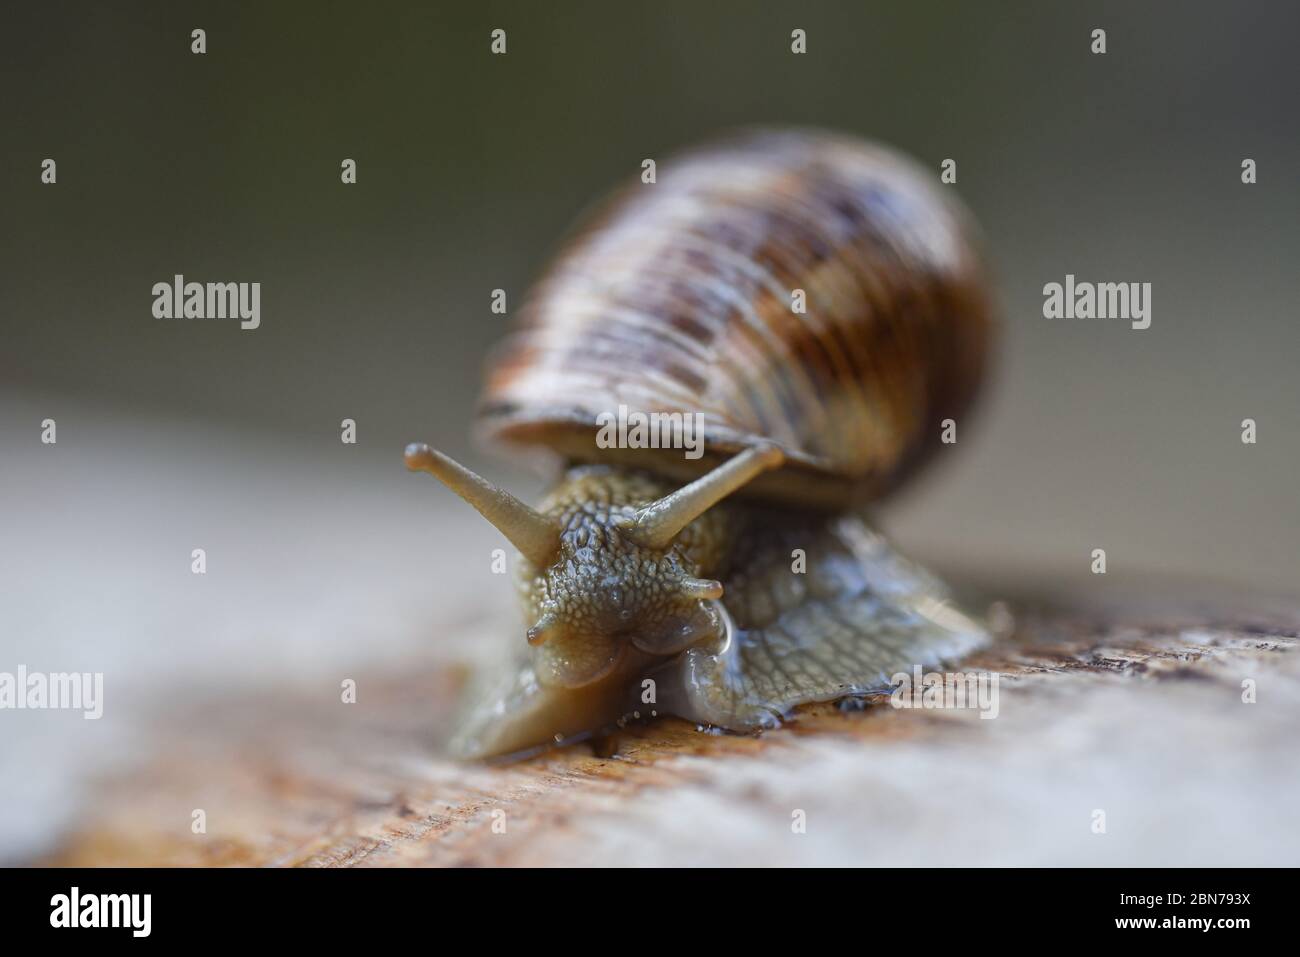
[818,305]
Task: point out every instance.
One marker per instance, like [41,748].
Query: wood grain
[1137,711]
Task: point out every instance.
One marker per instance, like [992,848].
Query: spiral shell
[678,297]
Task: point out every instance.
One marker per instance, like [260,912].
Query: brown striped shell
[677,297]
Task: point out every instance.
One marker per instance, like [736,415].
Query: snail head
[603,581]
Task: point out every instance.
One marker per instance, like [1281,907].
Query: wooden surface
[1137,712]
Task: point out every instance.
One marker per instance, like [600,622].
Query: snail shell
[677,297]
[645,596]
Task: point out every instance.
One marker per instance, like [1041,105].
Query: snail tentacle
[701,588]
[657,524]
[535,535]
[546,626]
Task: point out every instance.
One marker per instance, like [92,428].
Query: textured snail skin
[617,612]
[607,594]
[775,640]
[677,297]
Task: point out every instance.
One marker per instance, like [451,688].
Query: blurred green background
[375,297]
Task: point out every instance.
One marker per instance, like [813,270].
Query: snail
[731,587]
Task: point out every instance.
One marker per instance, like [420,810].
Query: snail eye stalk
[535,535]
[657,524]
